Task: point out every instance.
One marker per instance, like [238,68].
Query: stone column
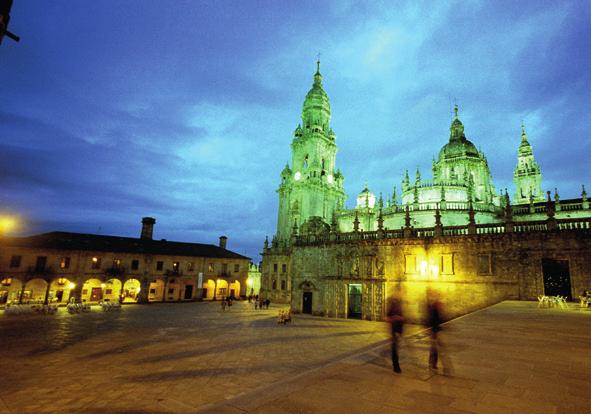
[142,297]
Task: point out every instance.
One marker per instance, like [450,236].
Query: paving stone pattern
[162,358]
[509,358]
[185,358]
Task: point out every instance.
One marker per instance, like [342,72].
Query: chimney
[147,227]
[223,241]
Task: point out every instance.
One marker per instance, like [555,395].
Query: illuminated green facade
[312,186]
[328,259]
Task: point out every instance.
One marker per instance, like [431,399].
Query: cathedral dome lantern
[458,145]
[366,199]
[316,110]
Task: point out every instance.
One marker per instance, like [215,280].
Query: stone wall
[470,272]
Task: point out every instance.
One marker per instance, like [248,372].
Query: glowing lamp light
[94,259]
[61,281]
[423,266]
[297,176]
[434,271]
[329,179]
[8,224]
[138,290]
[103,285]
[249,282]
[7,281]
[71,285]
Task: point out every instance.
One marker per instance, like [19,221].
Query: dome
[458,145]
[366,199]
[458,148]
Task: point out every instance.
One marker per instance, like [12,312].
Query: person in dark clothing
[396,319]
[434,320]
[267,303]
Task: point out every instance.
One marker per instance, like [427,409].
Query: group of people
[434,319]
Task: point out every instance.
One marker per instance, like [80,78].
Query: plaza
[192,357]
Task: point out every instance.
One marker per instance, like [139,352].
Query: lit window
[64,263]
[447,264]
[175,266]
[410,263]
[210,268]
[95,263]
[116,263]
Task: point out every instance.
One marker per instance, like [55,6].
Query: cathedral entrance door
[556,278]
[355,298]
[307,305]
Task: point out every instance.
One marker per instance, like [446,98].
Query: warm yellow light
[8,224]
[95,259]
[103,285]
[61,281]
[138,290]
[249,282]
[7,281]
[423,266]
[71,285]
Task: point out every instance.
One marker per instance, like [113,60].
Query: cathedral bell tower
[312,186]
[527,175]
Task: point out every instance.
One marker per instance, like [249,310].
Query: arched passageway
[208,289]
[92,290]
[10,290]
[112,290]
[234,289]
[131,289]
[60,290]
[34,292]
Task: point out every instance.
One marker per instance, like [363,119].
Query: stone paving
[162,357]
[182,358]
[509,358]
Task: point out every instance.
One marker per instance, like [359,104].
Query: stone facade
[61,267]
[452,231]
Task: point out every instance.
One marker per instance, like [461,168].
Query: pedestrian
[224,304]
[434,320]
[256,304]
[230,303]
[396,319]
[267,303]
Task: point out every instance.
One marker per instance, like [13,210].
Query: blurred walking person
[435,318]
[396,319]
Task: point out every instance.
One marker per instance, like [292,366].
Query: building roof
[94,242]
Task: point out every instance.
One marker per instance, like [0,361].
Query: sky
[184,110]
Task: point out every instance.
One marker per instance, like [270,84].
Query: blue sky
[184,110]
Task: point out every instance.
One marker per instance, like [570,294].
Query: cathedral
[453,232]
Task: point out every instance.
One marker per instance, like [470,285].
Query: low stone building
[59,267]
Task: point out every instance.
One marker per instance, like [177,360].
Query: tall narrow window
[95,263]
[135,264]
[15,261]
[41,263]
[64,263]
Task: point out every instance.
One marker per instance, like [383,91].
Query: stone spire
[316,110]
[457,128]
[527,175]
